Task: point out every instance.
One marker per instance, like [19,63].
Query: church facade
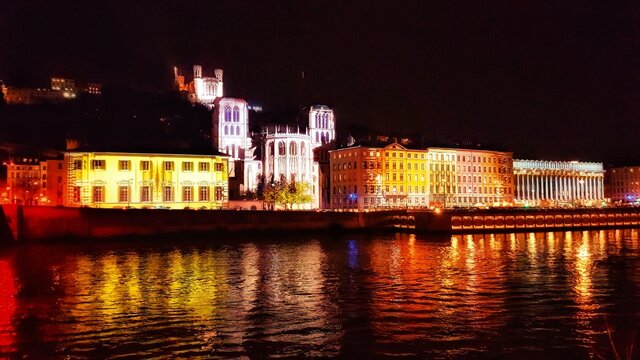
[202,89]
[281,152]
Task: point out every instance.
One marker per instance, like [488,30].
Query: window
[167,165]
[97,164]
[204,193]
[123,194]
[76,193]
[77,164]
[219,193]
[219,167]
[144,165]
[167,193]
[187,193]
[204,166]
[227,113]
[98,193]
[145,194]
[187,166]
[124,165]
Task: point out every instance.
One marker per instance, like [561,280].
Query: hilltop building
[61,89]
[202,89]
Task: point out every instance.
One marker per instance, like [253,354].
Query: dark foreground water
[542,295]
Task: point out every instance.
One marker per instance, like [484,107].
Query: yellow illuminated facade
[142,180]
[397,177]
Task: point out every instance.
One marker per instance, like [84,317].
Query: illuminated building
[145,180]
[356,177]
[397,177]
[202,89]
[52,182]
[322,130]
[442,177]
[29,96]
[289,156]
[61,89]
[23,181]
[484,177]
[231,136]
[623,184]
[65,86]
[540,182]
[286,152]
[94,88]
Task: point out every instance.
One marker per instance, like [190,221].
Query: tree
[287,194]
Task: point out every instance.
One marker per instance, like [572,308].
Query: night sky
[551,80]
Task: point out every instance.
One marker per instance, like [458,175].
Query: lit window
[123,194]
[203,166]
[98,194]
[145,194]
[76,193]
[204,193]
[219,193]
[97,164]
[187,193]
[167,193]
[124,165]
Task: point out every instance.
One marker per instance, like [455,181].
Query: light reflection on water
[505,295]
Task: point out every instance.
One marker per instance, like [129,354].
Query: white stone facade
[322,129]
[231,136]
[203,89]
[558,182]
[286,151]
[289,155]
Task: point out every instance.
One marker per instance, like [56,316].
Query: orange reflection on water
[8,291]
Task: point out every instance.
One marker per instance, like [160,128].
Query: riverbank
[38,223]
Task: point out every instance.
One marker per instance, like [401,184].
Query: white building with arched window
[295,154]
[288,154]
[322,127]
[231,136]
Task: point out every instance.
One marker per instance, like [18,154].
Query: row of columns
[556,187]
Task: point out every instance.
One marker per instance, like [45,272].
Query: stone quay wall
[34,223]
[37,223]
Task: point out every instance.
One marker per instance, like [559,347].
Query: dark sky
[547,79]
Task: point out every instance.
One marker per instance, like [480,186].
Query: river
[528,295]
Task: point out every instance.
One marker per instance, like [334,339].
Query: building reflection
[8,292]
[389,295]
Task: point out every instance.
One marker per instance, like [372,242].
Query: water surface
[535,295]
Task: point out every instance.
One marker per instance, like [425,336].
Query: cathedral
[279,152]
[202,89]
[297,154]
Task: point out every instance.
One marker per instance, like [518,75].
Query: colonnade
[552,186]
